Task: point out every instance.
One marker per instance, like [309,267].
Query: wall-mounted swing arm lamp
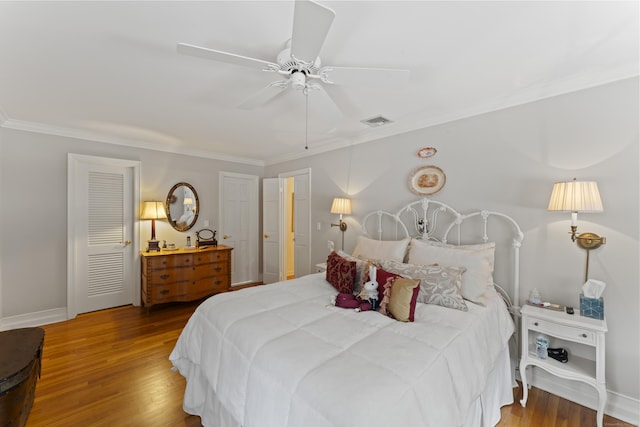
[578,196]
[153,211]
[341,206]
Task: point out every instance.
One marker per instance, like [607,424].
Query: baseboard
[619,406]
[38,318]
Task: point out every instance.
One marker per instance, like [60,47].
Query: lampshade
[575,196]
[153,210]
[341,206]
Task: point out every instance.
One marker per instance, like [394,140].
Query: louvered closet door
[104,212]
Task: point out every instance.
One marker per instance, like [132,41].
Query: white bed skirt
[199,398]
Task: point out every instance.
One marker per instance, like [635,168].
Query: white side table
[560,326]
[321,267]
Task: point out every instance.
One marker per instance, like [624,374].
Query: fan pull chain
[306,126]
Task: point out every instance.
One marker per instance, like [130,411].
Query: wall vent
[376,121]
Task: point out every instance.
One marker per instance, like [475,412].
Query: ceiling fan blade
[311,23]
[364,76]
[322,107]
[229,58]
[264,95]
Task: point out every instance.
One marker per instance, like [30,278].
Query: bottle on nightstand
[542,344]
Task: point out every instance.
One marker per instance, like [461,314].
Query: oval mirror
[182,206]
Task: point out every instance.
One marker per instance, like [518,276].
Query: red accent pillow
[381,278]
[341,273]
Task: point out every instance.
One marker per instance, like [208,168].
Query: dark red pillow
[381,278]
[341,273]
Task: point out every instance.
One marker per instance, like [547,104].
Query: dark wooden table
[20,355]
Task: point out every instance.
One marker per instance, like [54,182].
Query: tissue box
[591,307]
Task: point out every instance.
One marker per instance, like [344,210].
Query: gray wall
[33,221]
[508,161]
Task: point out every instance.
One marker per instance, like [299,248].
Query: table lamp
[153,211]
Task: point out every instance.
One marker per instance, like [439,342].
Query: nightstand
[321,267]
[563,328]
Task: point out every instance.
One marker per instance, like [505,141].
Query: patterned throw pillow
[362,270]
[438,285]
[341,273]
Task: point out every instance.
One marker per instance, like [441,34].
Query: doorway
[289,232]
[239,227]
[102,200]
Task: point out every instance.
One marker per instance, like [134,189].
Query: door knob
[127,242]
[266,236]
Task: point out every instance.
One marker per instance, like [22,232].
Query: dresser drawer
[164,262]
[569,333]
[164,277]
[186,291]
[207,257]
[181,274]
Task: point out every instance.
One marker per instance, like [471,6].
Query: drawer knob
[217,282]
[164,276]
[583,335]
[218,269]
[164,292]
[535,323]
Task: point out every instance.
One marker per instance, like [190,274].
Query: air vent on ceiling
[377,121]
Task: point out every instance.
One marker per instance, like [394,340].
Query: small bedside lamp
[153,211]
[578,196]
[341,206]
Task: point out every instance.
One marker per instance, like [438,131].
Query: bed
[284,355]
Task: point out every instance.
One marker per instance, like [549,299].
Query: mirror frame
[171,197]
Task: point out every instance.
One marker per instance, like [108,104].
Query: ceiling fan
[299,64]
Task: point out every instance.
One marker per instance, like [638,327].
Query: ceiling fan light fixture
[298,80]
[376,121]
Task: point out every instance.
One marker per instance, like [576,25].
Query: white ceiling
[109,71]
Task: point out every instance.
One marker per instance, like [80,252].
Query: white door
[271,201]
[302,223]
[103,273]
[238,228]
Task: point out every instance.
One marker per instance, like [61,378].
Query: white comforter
[282,355]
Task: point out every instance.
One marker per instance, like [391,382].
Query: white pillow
[394,250]
[477,259]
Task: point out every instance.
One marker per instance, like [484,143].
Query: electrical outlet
[319,226]
[206,222]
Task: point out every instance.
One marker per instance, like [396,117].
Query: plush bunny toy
[370,289]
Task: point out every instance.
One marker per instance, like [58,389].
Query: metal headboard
[434,220]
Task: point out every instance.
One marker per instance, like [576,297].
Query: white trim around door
[76,237]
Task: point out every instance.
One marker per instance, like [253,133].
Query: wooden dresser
[184,275]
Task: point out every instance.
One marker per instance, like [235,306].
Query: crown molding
[75,133]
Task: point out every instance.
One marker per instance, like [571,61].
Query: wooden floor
[111,368]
